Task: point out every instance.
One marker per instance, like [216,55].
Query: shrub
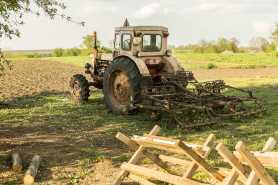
[73,52]
[211,66]
[58,52]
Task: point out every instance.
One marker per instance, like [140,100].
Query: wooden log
[214,173]
[231,159]
[269,145]
[140,180]
[135,158]
[16,162]
[32,170]
[194,166]
[254,164]
[164,177]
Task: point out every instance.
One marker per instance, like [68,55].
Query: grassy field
[192,60]
[77,141]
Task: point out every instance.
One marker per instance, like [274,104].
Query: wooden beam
[175,160]
[135,158]
[140,180]
[32,171]
[16,162]
[268,159]
[232,178]
[153,157]
[164,177]
[194,166]
[269,145]
[161,143]
[229,157]
[254,164]
[201,162]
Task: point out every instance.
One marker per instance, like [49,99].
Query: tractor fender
[174,63]
[142,67]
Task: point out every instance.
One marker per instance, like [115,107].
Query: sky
[189,21]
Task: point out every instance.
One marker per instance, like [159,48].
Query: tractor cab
[140,41]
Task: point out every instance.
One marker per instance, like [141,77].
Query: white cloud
[262,27]
[148,11]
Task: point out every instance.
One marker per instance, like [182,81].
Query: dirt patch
[34,77]
[204,74]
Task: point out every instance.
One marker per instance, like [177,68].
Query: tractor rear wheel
[121,86]
[79,88]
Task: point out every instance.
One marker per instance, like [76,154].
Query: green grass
[191,60]
[93,123]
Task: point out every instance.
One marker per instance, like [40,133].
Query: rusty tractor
[143,74]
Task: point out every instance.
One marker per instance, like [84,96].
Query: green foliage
[58,52]
[12,13]
[72,52]
[218,46]
[211,66]
[88,42]
[275,34]
[38,55]
[4,63]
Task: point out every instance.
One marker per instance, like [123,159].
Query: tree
[275,34]
[258,43]
[12,14]
[88,42]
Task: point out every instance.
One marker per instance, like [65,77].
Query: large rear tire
[121,85]
[80,90]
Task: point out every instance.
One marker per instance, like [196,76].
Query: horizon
[211,20]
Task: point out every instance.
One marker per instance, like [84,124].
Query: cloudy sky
[188,21]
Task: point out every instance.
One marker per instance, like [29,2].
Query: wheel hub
[121,88]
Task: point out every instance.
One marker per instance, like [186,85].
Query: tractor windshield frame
[153,43]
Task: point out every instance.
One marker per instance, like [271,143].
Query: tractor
[142,73]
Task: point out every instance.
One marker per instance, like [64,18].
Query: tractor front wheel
[121,85]
[79,86]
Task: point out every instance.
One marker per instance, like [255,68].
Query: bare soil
[61,145]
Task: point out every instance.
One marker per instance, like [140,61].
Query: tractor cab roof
[142,28]
[127,27]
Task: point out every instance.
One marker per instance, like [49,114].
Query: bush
[211,66]
[58,52]
[72,52]
[38,55]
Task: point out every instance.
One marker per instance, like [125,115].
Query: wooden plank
[229,157]
[194,166]
[32,171]
[254,164]
[268,159]
[161,143]
[16,162]
[153,157]
[135,158]
[269,145]
[201,162]
[140,180]
[231,179]
[164,177]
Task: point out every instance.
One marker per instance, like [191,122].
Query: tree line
[259,44]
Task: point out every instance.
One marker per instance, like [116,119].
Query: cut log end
[32,171]
[28,180]
[16,162]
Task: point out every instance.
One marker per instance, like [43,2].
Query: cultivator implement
[194,104]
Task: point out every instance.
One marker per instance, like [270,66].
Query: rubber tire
[127,65]
[84,91]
